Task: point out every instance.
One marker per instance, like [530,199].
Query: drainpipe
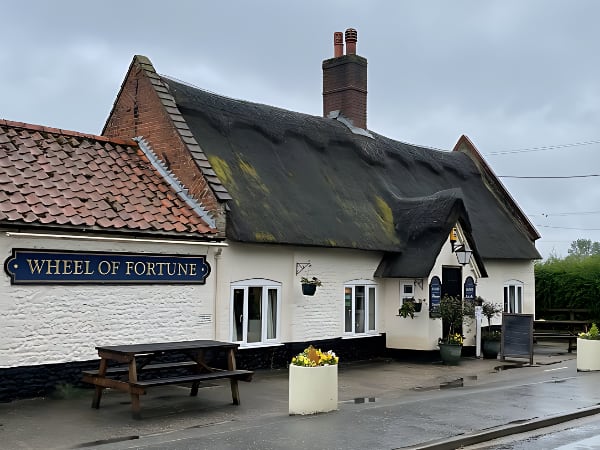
[216,299]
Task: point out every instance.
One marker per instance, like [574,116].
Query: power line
[562,214]
[549,177]
[541,149]
[568,228]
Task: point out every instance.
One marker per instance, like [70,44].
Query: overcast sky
[520,78]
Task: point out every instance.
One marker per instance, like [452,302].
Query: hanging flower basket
[309,289]
[309,285]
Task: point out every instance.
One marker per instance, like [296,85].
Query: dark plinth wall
[42,380]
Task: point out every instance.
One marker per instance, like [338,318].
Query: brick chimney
[345,81]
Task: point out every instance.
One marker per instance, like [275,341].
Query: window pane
[238,315]
[511,298]
[272,314]
[519,299]
[371,309]
[359,312]
[348,309]
[506,299]
[255,314]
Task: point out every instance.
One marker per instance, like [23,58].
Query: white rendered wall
[44,324]
[422,333]
[303,318]
[501,271]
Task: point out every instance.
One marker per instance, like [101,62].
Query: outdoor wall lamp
[463,254]
[453,238]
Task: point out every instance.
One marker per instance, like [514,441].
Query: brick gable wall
[139,111]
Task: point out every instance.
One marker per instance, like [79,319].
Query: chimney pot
[351,38]
[338,44]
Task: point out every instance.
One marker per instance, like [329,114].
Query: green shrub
[592,334]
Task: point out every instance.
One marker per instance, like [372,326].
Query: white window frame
[406,295]
[352,285]
[517,306]
[266,285]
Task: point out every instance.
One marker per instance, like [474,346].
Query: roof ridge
[33,127]
[174,182]
[181,127]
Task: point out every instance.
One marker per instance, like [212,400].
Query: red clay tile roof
[51,177]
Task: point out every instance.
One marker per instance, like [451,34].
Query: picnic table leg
[199,360]
[235,393]
[135,398]
[98,389]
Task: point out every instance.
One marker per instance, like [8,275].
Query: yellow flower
[312,357]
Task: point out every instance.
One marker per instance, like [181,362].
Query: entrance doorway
[451,286]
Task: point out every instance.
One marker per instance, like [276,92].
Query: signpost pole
[478,316]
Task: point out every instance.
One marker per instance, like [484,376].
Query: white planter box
[313,389]
[588,355]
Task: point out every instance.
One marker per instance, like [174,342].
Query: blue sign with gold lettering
[27,266]
[435,296]
[469,288]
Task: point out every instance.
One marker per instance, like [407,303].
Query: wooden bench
[242,375]
[557,335]
[561,324]
[148,361]
[121,370]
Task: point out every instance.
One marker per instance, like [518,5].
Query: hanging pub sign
[27,266]
[435,296]
[469,289]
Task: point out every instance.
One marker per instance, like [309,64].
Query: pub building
[101,246]
[273,199]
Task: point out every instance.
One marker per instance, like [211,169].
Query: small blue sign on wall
[27,266]
[469,288]
[435,296]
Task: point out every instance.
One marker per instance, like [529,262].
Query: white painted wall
[304,318]
[43,324]
[501,271]
[56,323]
[422,333]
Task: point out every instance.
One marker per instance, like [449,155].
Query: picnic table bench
[567,327]
[139,360]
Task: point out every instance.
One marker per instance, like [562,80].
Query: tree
[584,247]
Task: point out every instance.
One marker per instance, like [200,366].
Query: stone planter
[313,389]
[588,355]
[450,353]
[490,349]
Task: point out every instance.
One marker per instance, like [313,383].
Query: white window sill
[259,345]
[358,336]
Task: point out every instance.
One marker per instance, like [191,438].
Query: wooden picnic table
[157,360]
[561,329]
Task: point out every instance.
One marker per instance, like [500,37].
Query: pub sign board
[435,297]
[31,266]
[469,288]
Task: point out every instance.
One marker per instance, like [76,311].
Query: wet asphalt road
[407,420]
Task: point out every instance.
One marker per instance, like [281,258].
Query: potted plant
[313,382]
[409,307]
[490,338]
[451,312]
[588,350]
[309,285]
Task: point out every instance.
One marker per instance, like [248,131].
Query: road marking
[584,444]
[557,368]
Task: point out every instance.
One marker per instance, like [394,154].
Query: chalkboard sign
[517,336]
